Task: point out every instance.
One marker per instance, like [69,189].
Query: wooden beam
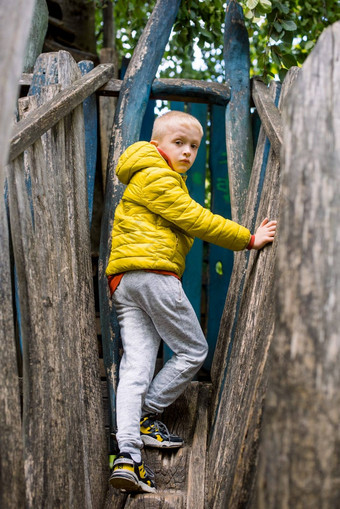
[28,130]
[269,114]
[171,89]
[239,137]
[299,452]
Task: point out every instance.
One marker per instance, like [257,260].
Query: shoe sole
[153,442]
[129,482]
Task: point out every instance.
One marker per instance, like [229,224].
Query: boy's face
[180,144]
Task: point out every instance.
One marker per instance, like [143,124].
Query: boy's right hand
[265,233]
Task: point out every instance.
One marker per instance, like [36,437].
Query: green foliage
[281,33]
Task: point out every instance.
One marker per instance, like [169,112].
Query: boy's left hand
[265,233]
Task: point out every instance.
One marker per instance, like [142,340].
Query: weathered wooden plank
[299,460]
[247,338]
[91,141]
[176,471]
[107,107]
[241,260]
[196,488]
[172,89]
[46,116]
[220,260]
[133,98]
[63,418]
[178,89]
[37,34]
[238,121]
[14,29]
[269,114]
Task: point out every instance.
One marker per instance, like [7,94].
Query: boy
[154,228]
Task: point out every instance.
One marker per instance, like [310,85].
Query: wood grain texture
[65,460]
[179,474]
[47,115]
[299,460]
[238,122]
[14,29]
[245,337]
[269,114]
[172,89]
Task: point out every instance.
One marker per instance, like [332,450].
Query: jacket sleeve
[164,195]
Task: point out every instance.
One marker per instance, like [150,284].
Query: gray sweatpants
[151,307]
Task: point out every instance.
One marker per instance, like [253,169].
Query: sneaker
[128,475]
[155,434]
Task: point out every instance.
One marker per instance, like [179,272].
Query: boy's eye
[178,142]
[194,146]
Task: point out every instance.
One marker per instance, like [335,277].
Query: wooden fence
[265,433]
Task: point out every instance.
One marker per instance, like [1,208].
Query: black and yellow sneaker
[155,434]
[128,475]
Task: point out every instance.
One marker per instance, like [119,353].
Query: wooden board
[14,28]
[299,461]
[65,454]
[47,115]
[220,260]
[91,140]
[238,122]
[247,328]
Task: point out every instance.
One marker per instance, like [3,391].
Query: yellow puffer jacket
[156,221]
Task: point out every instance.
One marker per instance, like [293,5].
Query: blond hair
[161,124]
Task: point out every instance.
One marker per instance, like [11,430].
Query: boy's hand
[265,233]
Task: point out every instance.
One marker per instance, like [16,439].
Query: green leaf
[251,4]
[288,60]
[278,26]
[289,25]
[283,8]
[265,5]
[219,268]
[249,14]
[282,74]
[275,57]
[309,45]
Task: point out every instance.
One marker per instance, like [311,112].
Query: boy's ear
[154,142]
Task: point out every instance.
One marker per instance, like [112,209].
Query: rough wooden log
[133,98]
[238,122]
[14,28]
[269,114]
[65,458]
[245,336]
[46,116]
[299,460]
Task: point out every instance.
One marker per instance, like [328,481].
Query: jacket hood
[136,157]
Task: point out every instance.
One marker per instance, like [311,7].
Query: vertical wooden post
[220,260]
[132,102]
[63,419]
[299,459]
[246,332]
[238,120]
[14,28]
[91,138]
